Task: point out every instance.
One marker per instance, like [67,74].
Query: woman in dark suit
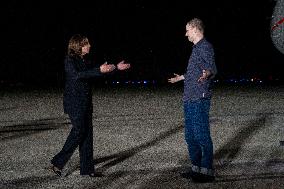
[78,105]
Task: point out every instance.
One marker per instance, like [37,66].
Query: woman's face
[86,49]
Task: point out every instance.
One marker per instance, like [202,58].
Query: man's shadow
[224,155]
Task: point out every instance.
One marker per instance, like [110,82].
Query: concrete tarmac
[139,138]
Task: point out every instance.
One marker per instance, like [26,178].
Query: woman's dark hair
[75,45]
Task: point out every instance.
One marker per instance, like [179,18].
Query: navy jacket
[77,98]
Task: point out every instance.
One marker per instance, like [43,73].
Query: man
[197,96]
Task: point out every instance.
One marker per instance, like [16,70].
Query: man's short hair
[196,23]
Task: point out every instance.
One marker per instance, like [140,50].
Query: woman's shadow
[114,159]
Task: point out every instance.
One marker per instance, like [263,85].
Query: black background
[148,34]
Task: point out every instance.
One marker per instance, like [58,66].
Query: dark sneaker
[202,178]
[188,174]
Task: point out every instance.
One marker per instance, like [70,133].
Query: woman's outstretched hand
[122,65]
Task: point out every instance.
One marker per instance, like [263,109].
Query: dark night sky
[148,34]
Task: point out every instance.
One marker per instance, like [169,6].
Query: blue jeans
[197,134]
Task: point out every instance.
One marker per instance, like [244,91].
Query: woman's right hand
[106,68]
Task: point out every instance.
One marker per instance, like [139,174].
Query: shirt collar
[199,42]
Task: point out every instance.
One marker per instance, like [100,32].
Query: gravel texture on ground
[139,141]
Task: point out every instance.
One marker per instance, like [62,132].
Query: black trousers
[80,135]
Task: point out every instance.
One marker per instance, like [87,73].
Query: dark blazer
[77,98]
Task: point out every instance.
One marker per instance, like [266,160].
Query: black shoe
[56,170]
[96,174]
[202,178]
[188,174]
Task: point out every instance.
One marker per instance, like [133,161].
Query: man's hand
[205,75]
[122,65]
[176,78]
[106,68]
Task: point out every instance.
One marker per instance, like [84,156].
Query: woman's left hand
[122,65]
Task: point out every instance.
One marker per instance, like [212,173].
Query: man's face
[190,31]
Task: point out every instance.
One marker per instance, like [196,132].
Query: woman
[78,105]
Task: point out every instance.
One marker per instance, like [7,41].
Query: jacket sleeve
[95,72]
[73,70]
